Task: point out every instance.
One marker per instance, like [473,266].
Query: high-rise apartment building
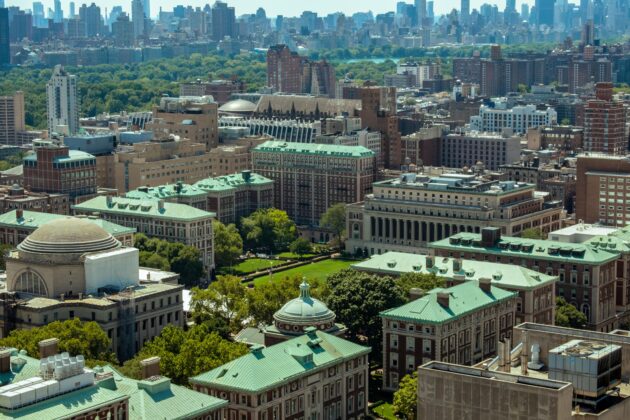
[11,117]
[91,19]
[605,123]
[62,102]
[5,43]
[122,31]
[310,178]
[137,17]
[284,69]
[223,21]
[518,119]
[545,12]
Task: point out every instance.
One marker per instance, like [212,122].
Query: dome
[68,235]
[240,106]
[304,310]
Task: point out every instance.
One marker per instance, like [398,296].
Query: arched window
[586,310]
[31,283]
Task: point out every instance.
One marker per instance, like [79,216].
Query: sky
[272,7]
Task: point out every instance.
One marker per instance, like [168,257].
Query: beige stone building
[71,268]
[17,197]
[158,219]
[191,117]
[407,213]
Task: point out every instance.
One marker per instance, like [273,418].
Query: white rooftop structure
[580,232]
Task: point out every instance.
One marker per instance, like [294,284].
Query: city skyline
[277,7]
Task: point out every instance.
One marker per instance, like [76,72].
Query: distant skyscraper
[430,13]
[91,19]
[63,101]
[39,19]
[137,17]
[465,11]
[544,12]
[524,11]
[146,5]
[421,9]
[1,3]
[223,21]
[72,14]
[5,50]
[58,14]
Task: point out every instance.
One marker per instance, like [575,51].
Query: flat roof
[314,149]
[510,275]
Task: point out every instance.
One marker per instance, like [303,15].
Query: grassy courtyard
[319,270]
[385,411]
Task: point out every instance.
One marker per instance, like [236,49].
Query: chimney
[109,200]
[485,284]
[442,298]
[48,347]
[415,293]
[429,261]
[19,214]
[5,361]
[524,353]
[490,236]
[161,205]
[457,265]
[150,367]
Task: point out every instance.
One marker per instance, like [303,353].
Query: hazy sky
[273,7]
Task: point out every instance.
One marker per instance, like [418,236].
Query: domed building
[238,107]
[299,314]
[71,267]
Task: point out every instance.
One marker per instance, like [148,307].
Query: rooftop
[455,183]
[528,248]
[509,275]
[31,220]
[166,191]
[267,368]
[232,181]
[314,149]
[73,156]
[143,208]
[463,299]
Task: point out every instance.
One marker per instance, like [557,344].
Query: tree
[533,233]
[300,247]
[335,220]
[4,248]
[75,337]
[225,298]
[421,281]
[268,229]
[188,265]
[184,354]
[358,298]
[149,259]
[568,315]
[406,398]
[228,244]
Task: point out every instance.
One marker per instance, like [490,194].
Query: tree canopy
[422,281]
[358,298]
[184,354]
[300,247]
[406,398]
[75,337]
[268,229]
[335,220]
[228,244]
[182,259]
[533,233]
[568,315]
[225,298]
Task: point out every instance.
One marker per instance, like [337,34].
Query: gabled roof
[270,367]
[464,299]
[510,275]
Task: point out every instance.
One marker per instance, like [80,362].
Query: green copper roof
[166,192]
[464,298]
[527,248]
[314,149]
[266,368]
[510,275]
[31,220]
[160,399]
[233,181]
[617,241]
[143,208]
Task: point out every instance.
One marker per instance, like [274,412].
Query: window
[31,283]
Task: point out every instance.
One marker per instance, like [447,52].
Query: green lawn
[319,270]
[385,411]
[250,266]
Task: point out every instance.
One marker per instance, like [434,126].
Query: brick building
[586,272]
[310,178]
[57,169]
[315,375]
[460,324]
[605,123]
[15,197]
